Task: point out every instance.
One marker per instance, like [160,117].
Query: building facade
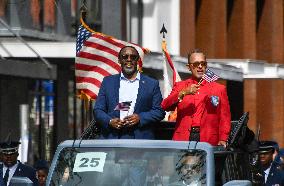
[37,48]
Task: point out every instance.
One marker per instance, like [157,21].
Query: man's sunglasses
[197,63]
[125,57]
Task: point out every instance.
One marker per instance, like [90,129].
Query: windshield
[130,166]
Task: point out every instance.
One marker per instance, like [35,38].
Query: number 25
[93,163]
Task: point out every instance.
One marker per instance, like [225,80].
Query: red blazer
[215,124]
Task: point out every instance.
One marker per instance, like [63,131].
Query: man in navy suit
[11,167]
[128,104]
[272,173]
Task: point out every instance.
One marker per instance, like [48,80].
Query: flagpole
[258,132]
[83,9]
[200,81]
[87,116]
[165,73]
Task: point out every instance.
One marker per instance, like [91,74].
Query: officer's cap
[268,146]
[9,146]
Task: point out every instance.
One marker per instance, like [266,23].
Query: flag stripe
[171,69]
[81,68]
[119,44]
[101,47]
[102,65]
[96,58]
[171,76]
[210,76]
[85,85]
[110,40]
[86,74]
[100,52]
[89,93]
[210,79]
[104,43]
[94,81]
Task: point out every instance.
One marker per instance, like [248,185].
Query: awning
[228,69]
[27,69]
[254,69]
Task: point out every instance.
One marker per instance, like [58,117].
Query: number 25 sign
[89,161]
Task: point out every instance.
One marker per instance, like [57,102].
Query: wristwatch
[182,96]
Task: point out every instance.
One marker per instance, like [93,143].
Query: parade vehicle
[152,162]
[119,162]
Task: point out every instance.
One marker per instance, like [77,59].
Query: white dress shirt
[11,173]
[128,91]
[266,172]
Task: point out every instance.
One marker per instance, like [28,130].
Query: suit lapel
[141,91]
[18,170]
[271,174]
[116,88]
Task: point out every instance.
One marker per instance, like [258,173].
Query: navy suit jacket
[148,107]
[1,174]
[24,171]
[275,176]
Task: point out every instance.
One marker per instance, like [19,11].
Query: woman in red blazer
[202,107]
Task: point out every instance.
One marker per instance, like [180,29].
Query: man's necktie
[6,176]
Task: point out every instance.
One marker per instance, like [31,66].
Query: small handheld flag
[210,76]
[123,106]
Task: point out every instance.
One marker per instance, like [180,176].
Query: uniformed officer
[11,167]
[272,174]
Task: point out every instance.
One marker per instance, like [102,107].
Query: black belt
[194,134]
[195,130]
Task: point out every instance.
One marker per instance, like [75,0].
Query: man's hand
[223,143]
[193,89]
[116,123]
[130,121]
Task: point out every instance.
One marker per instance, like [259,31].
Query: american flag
[210,76]
[97,57]
[171,76]
[124,106]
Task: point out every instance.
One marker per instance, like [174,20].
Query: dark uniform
[11,167]
[1,176]
[273,175]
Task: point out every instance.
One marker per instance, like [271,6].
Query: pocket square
[215,100]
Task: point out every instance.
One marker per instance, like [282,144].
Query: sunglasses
[132,57]
[197,63]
